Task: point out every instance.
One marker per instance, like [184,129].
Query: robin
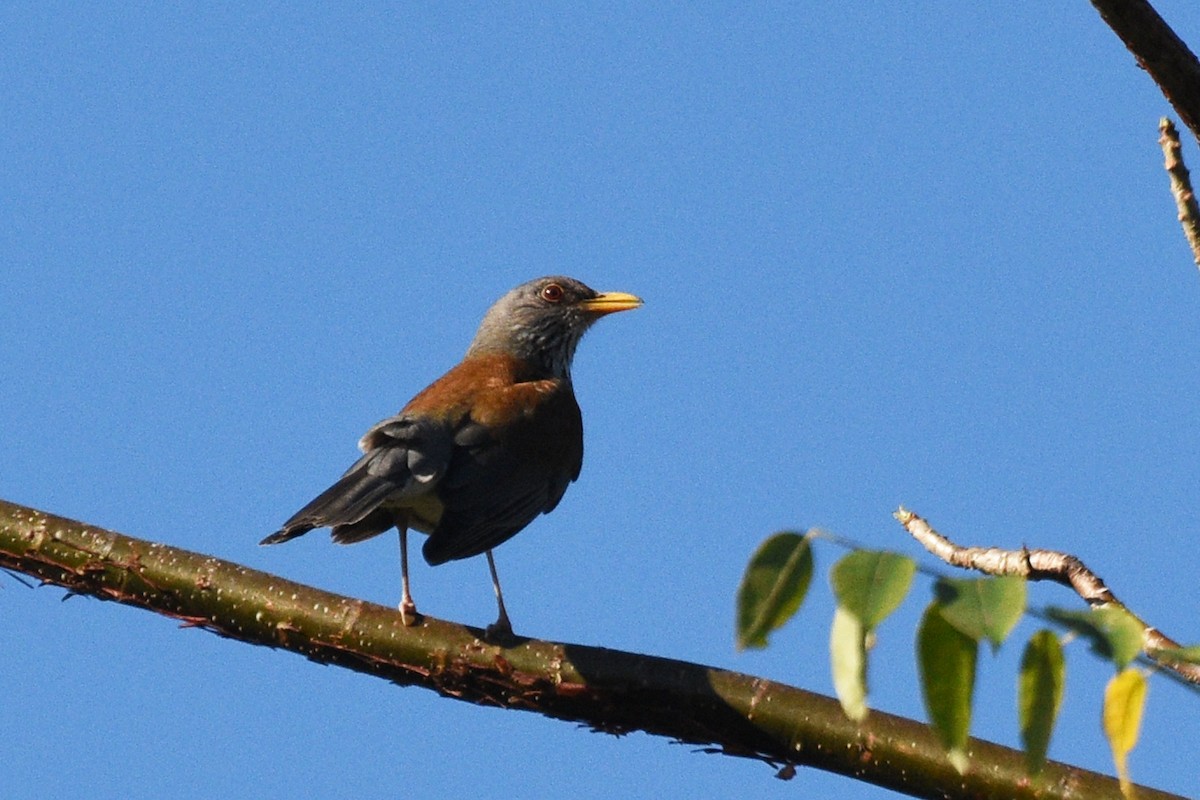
[480,452]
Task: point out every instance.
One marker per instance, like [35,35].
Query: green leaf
[1123,631]
[1113,632]
[773,587]
[848,660]
[1039,696]
[983,607]
[1185,655]
[947,659]
[870,584]
[1124,699]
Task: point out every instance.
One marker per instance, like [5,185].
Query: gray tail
[350,507]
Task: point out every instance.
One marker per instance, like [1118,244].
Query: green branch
[608,690]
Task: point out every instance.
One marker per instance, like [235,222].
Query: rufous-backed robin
[473,458]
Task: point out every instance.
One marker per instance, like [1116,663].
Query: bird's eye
[552,293]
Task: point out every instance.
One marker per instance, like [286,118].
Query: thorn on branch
[19,578]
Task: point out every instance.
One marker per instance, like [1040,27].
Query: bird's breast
[493,389]
[505,412]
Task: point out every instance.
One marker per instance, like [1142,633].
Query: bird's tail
[350,507]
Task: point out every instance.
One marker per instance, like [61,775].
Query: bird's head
[543,320]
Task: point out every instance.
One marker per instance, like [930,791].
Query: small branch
[1043,565]
[607,690]
[1160,52]
[1181,185]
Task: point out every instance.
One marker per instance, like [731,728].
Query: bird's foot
[408,612]
[500,630]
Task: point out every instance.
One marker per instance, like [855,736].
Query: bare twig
[1158,51]
[1181,185]
[607,690]
[1045,565]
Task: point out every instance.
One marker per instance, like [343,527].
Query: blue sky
[919,254]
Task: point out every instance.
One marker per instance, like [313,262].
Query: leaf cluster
[869,585]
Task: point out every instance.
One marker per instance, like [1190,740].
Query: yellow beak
[610,302]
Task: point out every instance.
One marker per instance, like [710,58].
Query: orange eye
[552,293]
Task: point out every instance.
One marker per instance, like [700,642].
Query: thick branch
[1158,51]
[1041,565]
[1181,185]
[607,690]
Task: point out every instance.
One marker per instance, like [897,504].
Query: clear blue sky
[919,254]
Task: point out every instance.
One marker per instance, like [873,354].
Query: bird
[482,451]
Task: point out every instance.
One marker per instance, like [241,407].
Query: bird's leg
[501,628]
[408,609]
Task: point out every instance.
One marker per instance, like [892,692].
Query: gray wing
[404,457]
[498,481]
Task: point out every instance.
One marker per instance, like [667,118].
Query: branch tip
[1062,568]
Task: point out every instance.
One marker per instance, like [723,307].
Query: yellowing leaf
[773,587]
[1039,696]
[848,660]
[1124,699]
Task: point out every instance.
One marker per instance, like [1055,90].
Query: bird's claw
[500,630]
[408,613]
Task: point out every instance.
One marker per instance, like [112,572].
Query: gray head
[543,320]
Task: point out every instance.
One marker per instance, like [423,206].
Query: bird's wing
[504,471]
[404,457]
